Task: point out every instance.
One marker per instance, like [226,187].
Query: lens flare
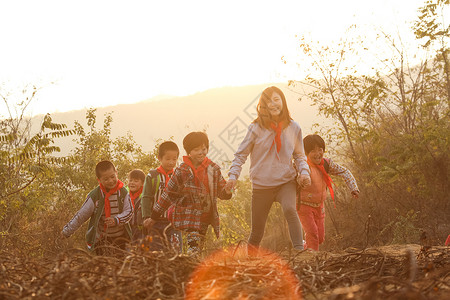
[232,274]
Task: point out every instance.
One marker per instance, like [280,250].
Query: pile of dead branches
[79,274]
[376,274]
[143,274]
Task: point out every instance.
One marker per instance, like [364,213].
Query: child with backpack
[109,209]
[162,233]
[193,190]
[136,180]
[310,199]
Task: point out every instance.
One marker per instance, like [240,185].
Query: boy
[136,180]
[109,209]
[155,183]
[311,198]
[194,188]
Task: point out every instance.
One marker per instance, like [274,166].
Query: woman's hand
[230,186]
[304,180]
[355,194]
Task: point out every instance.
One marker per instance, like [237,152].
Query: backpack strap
[148,194]
[326,164]
[156,180]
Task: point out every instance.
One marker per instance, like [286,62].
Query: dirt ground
[390,272]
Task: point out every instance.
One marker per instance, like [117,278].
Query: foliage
[403,230]
[392,129]
[235,222]
[42,192]
[235,215]
[25,159]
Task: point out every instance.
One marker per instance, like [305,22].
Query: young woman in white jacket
[274,142]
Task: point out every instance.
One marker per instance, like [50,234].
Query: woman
[273,140]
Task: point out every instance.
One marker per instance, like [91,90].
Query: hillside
[224,112]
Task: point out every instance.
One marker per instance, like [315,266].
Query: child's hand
[355,194]
[148,223]
[230,186]
[110,222]
[62,236]
[304,180]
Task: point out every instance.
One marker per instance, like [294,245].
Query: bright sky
[102,53]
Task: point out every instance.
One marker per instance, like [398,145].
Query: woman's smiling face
[275,105]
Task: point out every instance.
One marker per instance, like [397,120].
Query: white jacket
[267,167]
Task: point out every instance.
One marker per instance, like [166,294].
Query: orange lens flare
[232,274]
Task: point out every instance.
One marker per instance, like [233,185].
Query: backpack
[148,198]
[155,183]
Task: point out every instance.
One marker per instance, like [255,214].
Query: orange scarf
[134,196]
[326,176]
[277,128]
[112,191]
[200,174]
[166,174]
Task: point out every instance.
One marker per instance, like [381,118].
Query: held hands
[148,223]
[230,186]
[110,222]
[304,180]
[355,194]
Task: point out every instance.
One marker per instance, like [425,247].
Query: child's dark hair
[137,174]
[167,146]
[194,140]
[103,166]
[311,141]
[264,118]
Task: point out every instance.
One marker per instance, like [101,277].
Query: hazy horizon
[224,113]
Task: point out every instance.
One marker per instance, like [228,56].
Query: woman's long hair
[264,117]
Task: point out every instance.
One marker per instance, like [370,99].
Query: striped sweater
[93,208]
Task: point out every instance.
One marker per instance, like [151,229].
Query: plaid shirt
[186,196]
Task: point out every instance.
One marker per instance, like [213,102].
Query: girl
[311,211]
[272,140]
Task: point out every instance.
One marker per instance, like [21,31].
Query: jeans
[164,236]
[262,200]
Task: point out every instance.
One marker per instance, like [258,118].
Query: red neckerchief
[167,175]
[277,128]
[326,176]
[200,174]
[112,191]
[134,196]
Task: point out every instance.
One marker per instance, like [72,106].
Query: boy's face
[316,155]
[198,154]
[134,184]
[169,160]
[108,178]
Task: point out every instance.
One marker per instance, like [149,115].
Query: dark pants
[262,200]
[165,236]
[196,239]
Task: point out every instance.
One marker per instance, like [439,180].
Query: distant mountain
[224,112]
